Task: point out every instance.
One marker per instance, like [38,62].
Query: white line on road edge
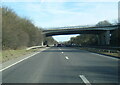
[18,62]
[66,57]
[84,80]
[105,56]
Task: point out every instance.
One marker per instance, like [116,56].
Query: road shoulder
[19,59]
[99,53]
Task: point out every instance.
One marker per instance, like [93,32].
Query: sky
[52,13]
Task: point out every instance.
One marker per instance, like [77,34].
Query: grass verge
[101,51]
[6,55]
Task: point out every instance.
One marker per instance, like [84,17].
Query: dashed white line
[84,80]
[59,49]
[18,62]
[66,57]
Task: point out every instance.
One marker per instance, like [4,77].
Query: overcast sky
[51,13]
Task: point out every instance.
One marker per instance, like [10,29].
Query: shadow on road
[66,49]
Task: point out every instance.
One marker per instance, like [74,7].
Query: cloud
[57,16]
[60,0]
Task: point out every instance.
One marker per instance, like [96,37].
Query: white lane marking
[104,56]
[59,49]
[84,80]
[66,57]
[18,62]
[62,52]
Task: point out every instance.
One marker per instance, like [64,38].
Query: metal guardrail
[104,49]
[34,47]
[76,27]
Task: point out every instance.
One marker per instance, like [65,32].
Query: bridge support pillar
[43,40]
[104,38]
[98,39]
[42,43]
[107,37]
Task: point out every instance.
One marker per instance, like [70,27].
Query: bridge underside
[102,33]
[103,36]
[47,34]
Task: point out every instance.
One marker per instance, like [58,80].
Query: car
[47,45]
[59,45]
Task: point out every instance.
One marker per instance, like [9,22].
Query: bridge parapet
[111,27]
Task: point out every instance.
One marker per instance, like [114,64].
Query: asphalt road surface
[63,65]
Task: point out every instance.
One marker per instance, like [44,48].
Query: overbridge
[102,32]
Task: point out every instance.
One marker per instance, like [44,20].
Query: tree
[103,23]
[18,32]
[88,39]
[49,41]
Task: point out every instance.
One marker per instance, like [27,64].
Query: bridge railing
[76,27]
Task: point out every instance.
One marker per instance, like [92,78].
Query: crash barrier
[103,50]
[35,47]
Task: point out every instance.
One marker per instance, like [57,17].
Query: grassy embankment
[101,51]
[6,55]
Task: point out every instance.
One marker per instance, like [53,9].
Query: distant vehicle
[68,45]
[55,44]
[59,45]
[47,45]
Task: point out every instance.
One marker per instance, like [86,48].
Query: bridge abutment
[107,37]
[43,40]
[104,38]
[42,43]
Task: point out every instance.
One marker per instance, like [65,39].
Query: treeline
[49,41]
[92,40]
[0,29]
[18,32]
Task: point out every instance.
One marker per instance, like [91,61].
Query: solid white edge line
[84,80]
[104,56]
[18,62]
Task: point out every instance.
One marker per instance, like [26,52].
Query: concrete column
[98,39]
[101,40]
[42,43]
[104,38]
[107,37]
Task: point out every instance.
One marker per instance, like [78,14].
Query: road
[64,65]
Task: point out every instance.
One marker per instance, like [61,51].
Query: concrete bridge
[102,32]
